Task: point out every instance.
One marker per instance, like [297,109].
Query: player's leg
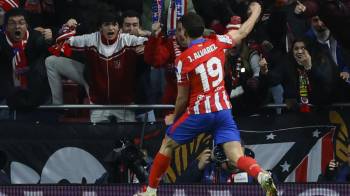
[160,164]
[183,130]
[162,160]
[226,133]
[233,151]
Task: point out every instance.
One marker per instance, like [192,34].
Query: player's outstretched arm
[248,25]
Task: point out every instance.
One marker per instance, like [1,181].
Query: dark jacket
[328,68]
[335,14]
[316,47]
[288,23]
[278,68]
[322,77]
[37,91]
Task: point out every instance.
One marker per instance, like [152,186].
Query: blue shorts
[220,124]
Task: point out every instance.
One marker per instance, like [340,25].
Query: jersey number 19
[207,71]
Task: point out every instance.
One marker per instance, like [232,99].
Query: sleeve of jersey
[225,41]
[82,41]
[182,77]
[132,40]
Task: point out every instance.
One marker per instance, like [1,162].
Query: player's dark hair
[193,24]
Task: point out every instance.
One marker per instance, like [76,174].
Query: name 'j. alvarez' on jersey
[201,67]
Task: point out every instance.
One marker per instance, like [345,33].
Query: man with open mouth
[23,81]
[109,68]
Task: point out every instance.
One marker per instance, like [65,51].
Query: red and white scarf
[61,47]
[177,50]
[176,10]
[19,61]
[7,5]
[157,6]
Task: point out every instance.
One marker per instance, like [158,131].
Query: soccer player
[202,104]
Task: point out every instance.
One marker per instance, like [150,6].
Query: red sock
[159,167]
[249,165]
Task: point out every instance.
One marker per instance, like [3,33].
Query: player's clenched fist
[254,7]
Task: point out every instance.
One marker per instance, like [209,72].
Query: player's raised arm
[247,26]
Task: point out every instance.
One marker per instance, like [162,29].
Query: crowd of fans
[119,52]
[119,55]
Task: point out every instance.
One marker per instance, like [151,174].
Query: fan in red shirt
[202,103]
[161,52]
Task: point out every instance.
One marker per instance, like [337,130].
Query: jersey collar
[197,41]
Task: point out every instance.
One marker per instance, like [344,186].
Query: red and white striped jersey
[202,68]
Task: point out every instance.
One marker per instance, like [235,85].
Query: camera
[218,155]
[131,157]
